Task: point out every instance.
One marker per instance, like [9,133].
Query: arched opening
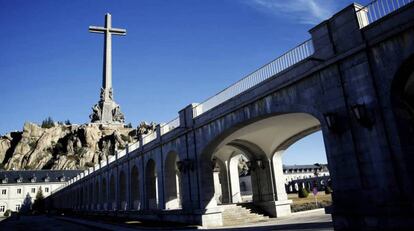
[135,189]
[172,182]
[305,170]
[123,191]
[104,196]
[151,184]
[112,193]
[402,100]
[232,179]
[255,147]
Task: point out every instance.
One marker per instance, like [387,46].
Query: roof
[36,176]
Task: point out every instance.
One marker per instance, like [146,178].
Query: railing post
[362,15]
[337,34]
[158,132]
[186,116]
[141,141]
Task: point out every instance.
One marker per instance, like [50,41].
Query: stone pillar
[217,186]
[186,116]
[266,194]
[160,176]
[233,172]
[337,34]
[207,213]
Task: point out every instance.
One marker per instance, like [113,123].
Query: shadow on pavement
[298,226]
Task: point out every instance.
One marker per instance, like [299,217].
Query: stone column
[233,172]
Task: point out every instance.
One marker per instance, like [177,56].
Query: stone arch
[260,136]
[135,188]
[402,100]
[123,190]
[172,181]
[277,163]
[151,184]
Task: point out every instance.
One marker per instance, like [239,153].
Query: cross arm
[97,29]
[117,31]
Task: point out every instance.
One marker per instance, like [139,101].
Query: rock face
[62,146]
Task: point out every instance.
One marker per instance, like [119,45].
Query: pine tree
[48,122]
[39,203]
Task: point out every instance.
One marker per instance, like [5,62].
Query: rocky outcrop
[5,144]
[62,146]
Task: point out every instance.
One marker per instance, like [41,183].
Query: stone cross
[106,111]
[107,68]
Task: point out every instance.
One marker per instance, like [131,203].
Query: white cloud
[305,11]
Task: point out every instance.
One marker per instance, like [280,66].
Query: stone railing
[276,66]
[149,137]
[175,123]
[378,9]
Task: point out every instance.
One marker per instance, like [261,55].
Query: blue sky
[175,53]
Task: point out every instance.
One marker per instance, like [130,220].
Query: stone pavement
[41,223]
[308,220]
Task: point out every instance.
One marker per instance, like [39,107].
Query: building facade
[19,188]
[296,176]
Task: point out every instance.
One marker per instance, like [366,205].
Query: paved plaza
[309,220]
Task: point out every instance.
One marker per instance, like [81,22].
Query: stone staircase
[239,214]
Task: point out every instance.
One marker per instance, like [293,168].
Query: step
[234,214]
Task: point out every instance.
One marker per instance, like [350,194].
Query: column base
[276,208]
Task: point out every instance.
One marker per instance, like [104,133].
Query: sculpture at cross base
[106,111]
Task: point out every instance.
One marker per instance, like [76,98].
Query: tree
[39,203]
[27,205]
[67,122]
[7,213]
[48,122]
[303,193]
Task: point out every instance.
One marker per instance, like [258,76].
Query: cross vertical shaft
[107,68]
[107,62]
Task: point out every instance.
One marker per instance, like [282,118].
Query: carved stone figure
[96,113]
[117,115]
[145,128]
